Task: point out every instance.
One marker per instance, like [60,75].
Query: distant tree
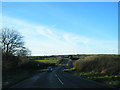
[11,41]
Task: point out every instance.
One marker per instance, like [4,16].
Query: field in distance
[48,60]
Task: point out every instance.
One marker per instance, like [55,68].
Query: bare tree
[23,52]
[11,41]
[14,53]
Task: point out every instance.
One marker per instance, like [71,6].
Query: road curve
[58,79]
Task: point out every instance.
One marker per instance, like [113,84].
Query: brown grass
[105,64]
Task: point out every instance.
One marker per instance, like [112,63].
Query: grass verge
[13,77]
[110,80]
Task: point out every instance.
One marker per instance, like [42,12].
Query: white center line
[59,79]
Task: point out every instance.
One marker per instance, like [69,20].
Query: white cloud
[47,40]
[77,38]
[46,32]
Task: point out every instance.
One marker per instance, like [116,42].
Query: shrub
[105,64]
[34,65]
[9,62]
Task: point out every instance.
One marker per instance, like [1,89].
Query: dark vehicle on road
[49,69]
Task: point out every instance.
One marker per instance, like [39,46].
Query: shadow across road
[59,79]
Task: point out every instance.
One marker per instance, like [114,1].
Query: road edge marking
[59,79]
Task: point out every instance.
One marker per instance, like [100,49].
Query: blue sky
[65,27]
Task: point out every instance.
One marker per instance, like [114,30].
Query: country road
[58,79]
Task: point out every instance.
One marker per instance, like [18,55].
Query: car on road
[49,69]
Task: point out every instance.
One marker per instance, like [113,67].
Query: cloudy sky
[56,28]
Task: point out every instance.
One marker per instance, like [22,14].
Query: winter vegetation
[105,64]
[16,63]
[14,52]
[101,68]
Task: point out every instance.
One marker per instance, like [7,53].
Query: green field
[48,60]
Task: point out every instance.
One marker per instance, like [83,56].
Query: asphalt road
[58,79]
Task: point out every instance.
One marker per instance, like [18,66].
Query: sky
[57,28]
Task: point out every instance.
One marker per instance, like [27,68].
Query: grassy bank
[104,69]
[13,77]
[104,64]
[111,80]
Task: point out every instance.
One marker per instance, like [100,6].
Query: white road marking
[59,79]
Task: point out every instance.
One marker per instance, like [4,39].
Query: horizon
[73,54]
[61,28]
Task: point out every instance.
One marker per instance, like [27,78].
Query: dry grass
[104,64]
